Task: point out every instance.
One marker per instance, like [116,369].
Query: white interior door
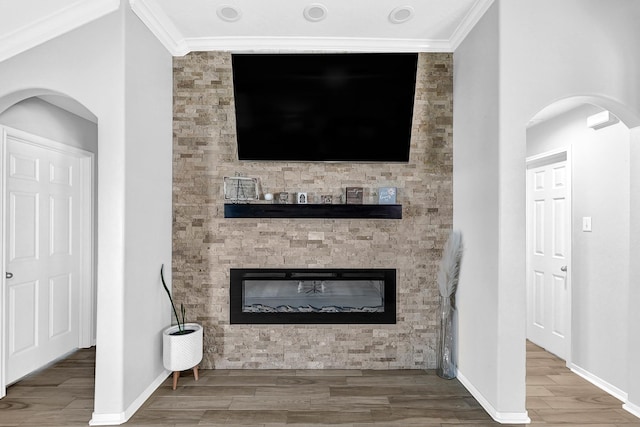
[42,256]
[548,256]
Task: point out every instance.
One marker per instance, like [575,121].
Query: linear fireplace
[339,296]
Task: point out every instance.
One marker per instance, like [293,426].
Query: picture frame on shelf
[355,195]
[240,188]
[301,198]
[387,195]
[283,198]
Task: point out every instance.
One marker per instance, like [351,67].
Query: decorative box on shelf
[264,210]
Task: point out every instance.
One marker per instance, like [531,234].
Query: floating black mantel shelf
[263,210]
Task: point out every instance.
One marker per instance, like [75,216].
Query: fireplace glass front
[312,296]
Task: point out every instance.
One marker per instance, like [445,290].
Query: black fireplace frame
[239,317]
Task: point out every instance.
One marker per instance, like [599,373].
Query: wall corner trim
[501,417]
[469,22]
[115,419]
[161,26]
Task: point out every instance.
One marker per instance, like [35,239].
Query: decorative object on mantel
[181,343]
[387,195]
[326,199]
[448,276]
[283,198]
[268,197]
[240,188]
[354,195]
[301,198]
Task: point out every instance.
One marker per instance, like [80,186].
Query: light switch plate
[586,223]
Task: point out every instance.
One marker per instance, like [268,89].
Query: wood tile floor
[62,395]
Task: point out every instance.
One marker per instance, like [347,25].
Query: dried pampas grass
[450,266]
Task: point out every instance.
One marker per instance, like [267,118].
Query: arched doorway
[65,132]
[601,220]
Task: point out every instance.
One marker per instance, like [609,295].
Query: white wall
[548,51]
[148,156]
[85,65]
[600,260]
[88,65]
[633,301]
[475,202]
[585,47]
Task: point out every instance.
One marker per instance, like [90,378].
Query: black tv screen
[324,107]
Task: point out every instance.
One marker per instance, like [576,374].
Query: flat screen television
[344,107]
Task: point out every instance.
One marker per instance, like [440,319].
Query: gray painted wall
[475,201]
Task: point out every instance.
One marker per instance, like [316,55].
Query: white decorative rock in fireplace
[337,296]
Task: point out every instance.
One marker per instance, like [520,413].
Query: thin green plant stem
[175,312]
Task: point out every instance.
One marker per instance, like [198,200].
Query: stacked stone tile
[206,245]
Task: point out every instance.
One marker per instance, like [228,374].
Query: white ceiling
[263,25]
[280,25]
[27,23]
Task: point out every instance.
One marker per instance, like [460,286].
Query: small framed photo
[238,188]
[387,195]
[326,199]
[283,198]
[354,195]
[301,198]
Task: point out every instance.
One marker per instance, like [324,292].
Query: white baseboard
[632,409]
[501,417]
[599,382]
[107,419]
[122,417]
[608,388]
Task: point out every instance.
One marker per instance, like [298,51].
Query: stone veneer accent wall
[206,245]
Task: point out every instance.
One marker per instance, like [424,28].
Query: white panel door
[548,252]
[42,250]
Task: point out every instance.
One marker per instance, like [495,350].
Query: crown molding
[476,12]
[169,35]
[161,26]
[54,25]
[315,44]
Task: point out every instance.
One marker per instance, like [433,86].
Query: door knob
[563,268]
[8,275]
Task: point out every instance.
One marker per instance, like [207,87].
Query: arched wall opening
[121,73]
[58,98]
[517,60]
[603,278]
[52,119]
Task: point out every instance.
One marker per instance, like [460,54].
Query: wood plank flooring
[62,395]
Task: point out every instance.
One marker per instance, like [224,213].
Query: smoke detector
[601,120]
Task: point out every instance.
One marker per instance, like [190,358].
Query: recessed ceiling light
[401,14]
[229,13]
[315,12]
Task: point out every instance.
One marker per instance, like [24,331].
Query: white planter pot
[182,352]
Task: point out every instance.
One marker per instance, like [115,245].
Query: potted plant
[181,343]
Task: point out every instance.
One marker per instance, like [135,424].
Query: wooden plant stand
[176,375]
